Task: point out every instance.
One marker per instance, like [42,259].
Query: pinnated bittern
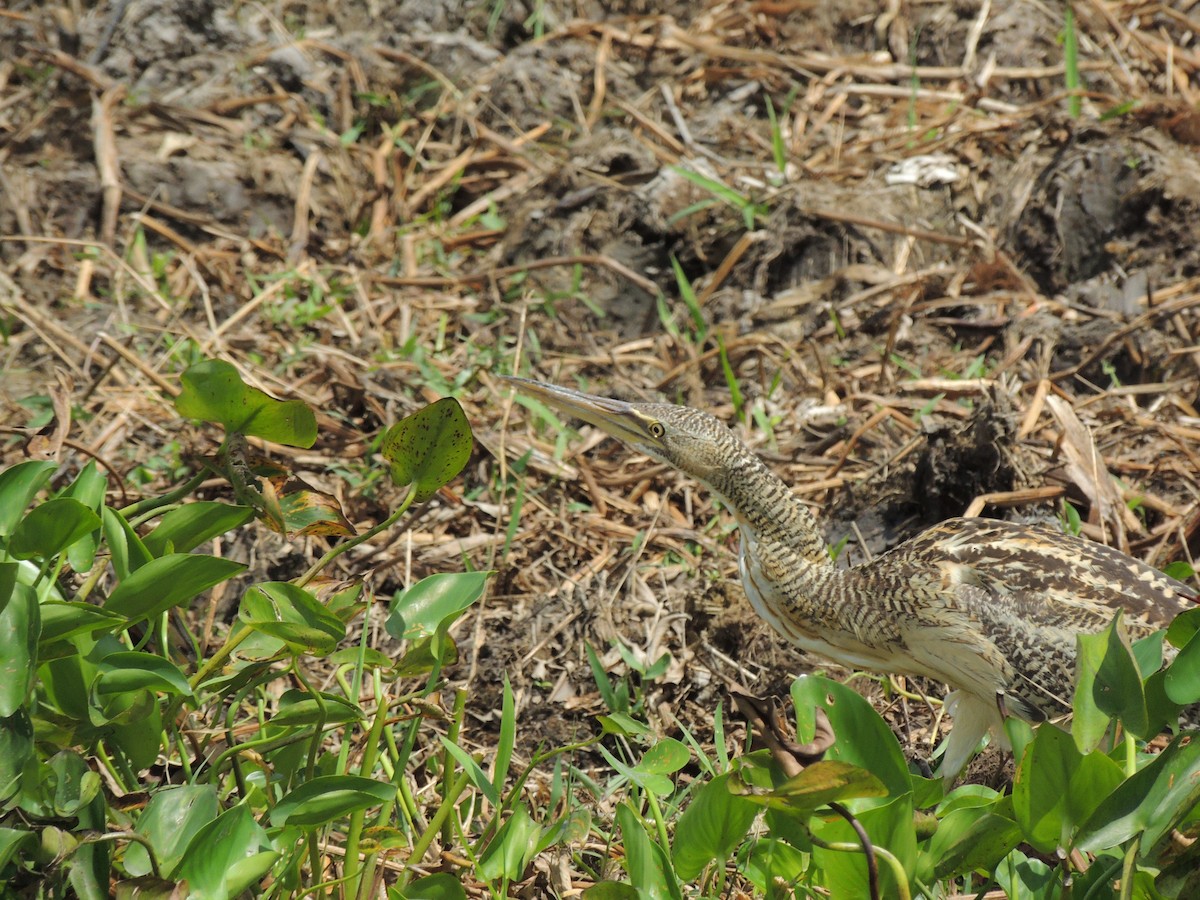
[988,607]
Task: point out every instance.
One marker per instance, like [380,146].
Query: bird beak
[614,417]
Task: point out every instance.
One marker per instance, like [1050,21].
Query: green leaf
[611,890]
[429,448]
[293,615]
[426,654]
[863,738]
[16,751]
[508,854]
[63,620]
[129,671]
[474,771]
[1180,570]
[818,785]
[1182,678]
[508,735]
[772,862]
[167,582]
[19,484]
[889,826]
[622,724]
[88,488]
[128,552]
[970,839]
[214,392]
[1183,627]
[301,708]
[227,856]
[20,627]
[330,797]
[1028,879]
[648,866]
[713,824]
[432,601]
[50,528]
[664,758]
[171,819]
[1057,788]
[187,527]
[14,841]
[442,886]
[1151,802]
[1114,676]
[651,781]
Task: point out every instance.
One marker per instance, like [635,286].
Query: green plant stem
[223,652]
[660,824]
[353,542]
[452,733]
[1128,867]
[147,504]
[362,872]
[898,873]
[440,818]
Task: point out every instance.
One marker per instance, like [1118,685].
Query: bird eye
[656,430]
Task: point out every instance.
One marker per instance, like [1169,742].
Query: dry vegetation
[929,288]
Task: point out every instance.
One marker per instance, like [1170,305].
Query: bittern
[988,607]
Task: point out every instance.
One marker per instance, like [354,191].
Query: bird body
[988,607]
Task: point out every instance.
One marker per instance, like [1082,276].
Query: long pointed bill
[614,417]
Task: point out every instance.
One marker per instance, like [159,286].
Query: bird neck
[769,509]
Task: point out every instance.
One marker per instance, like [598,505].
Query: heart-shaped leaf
[429,448]
[214,391]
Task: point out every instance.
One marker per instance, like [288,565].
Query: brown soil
[467,198]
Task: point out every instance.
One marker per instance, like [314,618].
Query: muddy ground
[913,278]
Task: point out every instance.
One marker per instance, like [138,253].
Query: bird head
[690,440]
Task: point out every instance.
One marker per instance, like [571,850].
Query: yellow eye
[656,430]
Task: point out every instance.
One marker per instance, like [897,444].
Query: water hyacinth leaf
[19,484]
[301,708]
[213,391]
[50,528]
[713,824]
[1151,802]
[1183,627]
[646,862]
[432,601]
[16,751]
[62,620]
[1057,788]
[227,855]
[186,528]
[1181,680]
[128,670]
[508,854]
[128,551]
[166,582]
[170,820]
[429,448]
[20,627]
[288,612]
[88,488]
[329,797]
[664,758]
[874,747]
[442,886]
